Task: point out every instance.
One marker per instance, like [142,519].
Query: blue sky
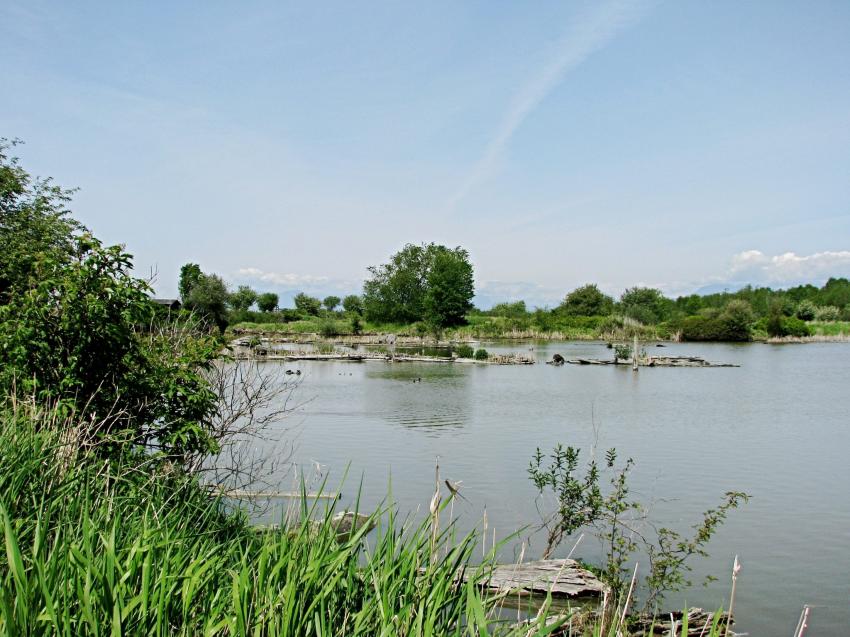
[674,144]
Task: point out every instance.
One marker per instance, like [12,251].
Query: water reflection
[425,396]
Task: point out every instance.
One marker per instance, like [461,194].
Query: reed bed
[134,547]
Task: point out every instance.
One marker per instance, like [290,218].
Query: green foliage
[429,283]
[307,304]
[82,338]
[509,310]
[647,305]
[331,302]
[190,275]
[243,298]
[828,313]
[356,324]
[328,327]
[353,304]
[622,352]
[578,498]
[734,323]
[581,503]
[464,351]
[95,549]
[779,325]
[481,354]
[35,225]
[450,288]
[806,310]
[267,301]
[587,300]
[208,298]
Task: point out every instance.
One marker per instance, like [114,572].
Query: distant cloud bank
[281,279]
[754,266]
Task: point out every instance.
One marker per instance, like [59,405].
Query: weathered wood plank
[564,578]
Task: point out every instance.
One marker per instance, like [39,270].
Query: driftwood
[662,625]
[655,361]
[563,578]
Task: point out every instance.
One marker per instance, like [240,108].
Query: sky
[682,145]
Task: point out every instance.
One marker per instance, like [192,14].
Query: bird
[454,489]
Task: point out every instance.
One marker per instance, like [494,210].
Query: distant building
[171,304]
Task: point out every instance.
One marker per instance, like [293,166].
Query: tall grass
[133,547]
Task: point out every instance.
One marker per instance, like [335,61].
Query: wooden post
[635,354]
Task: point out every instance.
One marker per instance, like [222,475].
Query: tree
[396,290]
[208,298]
[243,298]
[587,300]
[806,310]
[307,304]
[353,304]
[267,302]
[646,305]
[190,274]
[34,224]
[331,302]
[85,337]
[450,288]
[514,310]
[405,290]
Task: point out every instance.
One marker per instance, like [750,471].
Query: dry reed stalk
[736,567]
[628,600]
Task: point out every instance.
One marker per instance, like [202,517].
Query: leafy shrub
[828,313]
[622,351]
[328,328]
[778,325]
[806,311]
[481,354]
[356,325]
[733,324]
[464,351]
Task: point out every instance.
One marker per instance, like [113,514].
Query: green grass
[130,547]
[833,328]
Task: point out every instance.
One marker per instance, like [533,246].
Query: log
[564,578]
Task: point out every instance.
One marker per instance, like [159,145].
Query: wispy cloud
[589,33]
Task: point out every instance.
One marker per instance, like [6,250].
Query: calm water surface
[776,427]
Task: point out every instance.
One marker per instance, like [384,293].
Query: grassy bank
[132,547]
[478,327]
[93,547]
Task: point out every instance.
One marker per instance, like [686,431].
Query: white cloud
[757,267]
[282,279]
[592,31]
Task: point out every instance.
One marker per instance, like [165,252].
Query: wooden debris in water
[662,625]
[564,578]
[655,361]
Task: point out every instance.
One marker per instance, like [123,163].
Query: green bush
[464,351]
[828,313]
[806,310]
[481,354]
[328,328]
[778,325]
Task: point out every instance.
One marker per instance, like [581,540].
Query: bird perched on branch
[454,489]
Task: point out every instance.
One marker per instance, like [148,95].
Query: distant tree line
[725,316]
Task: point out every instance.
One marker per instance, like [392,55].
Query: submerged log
[563,578]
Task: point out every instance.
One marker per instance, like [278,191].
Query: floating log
[563,578]
[654,361]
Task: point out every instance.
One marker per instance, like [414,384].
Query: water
[776,427]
